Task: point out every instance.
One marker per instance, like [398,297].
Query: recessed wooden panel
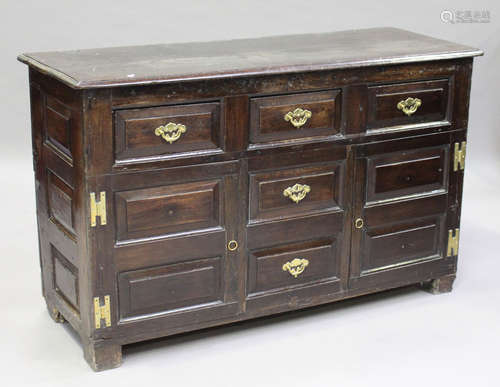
[65,277]
[150,212]
[135,130]
[399,174]
[267,114]
[383,101]
[171,287]
[265,270]
[267,200]
[60,197]
[396,244]
[58,126]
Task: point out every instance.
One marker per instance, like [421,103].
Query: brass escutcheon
[359,223]
[298,117]
[409,105]
[297,192]
[296,267]
[171,132]
[232,245]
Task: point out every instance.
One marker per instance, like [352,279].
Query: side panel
[56,113]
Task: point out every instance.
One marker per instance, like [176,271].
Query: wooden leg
[55,314]
[102,354]
[440,285]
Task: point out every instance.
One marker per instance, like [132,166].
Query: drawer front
[170,287]
[157,211]
[295,261]
[408,103]
[167,131]
[291,265]
[400,174]
[296,116]
[293,191]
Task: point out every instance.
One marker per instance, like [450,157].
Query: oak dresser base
[176,195]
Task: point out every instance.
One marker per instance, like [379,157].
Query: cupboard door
[167,233]
[401,204]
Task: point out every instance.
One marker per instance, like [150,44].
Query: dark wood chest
[191,185]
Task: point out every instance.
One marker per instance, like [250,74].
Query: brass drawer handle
[232,245]
[296,267]
[171,132]
[359,223]
[297,192]
[409,105]
[298,117]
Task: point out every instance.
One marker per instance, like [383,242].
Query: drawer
[408,103]
[167,131]
[295,191]
[292,265]
[294,116]
[168,209]
[397,175]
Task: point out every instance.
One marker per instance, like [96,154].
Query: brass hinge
[459,156]
[452,249]
[97,209]
[102,312]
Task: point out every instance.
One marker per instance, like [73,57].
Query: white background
[399,338]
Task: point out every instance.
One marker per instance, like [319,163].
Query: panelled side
[58,164]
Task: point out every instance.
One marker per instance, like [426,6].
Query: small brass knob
[359,223]
[232,245]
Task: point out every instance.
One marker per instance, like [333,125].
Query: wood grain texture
[280,54]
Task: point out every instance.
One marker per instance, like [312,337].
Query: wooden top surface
[162,63]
